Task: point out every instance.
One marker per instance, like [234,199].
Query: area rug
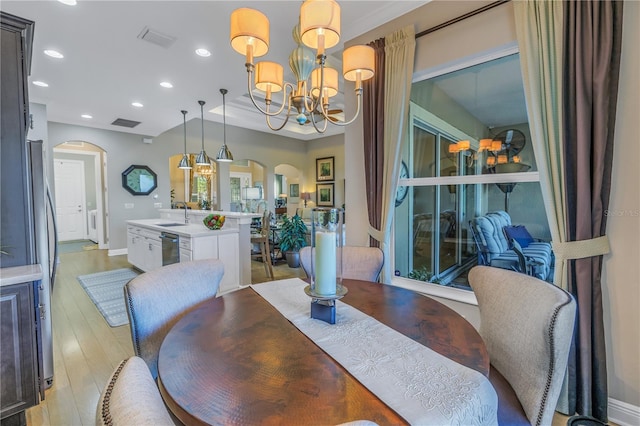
[105,290]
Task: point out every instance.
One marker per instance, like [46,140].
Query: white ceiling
[107,67]
[491,91]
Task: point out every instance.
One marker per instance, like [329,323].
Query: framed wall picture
[325,169]
[325,193]
[294,190]
[294,193]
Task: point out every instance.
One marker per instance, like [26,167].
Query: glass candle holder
[326,251]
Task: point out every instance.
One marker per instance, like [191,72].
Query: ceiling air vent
[125,123]
[156,37]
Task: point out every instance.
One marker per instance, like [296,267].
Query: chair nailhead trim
[105,412]
[545,394]
[134,324]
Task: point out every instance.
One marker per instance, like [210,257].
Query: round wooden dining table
[236,360]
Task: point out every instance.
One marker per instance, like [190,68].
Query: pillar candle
[325,259]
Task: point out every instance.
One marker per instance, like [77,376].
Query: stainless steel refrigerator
[44,251]
[29,236]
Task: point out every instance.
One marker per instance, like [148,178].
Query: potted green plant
[292,238]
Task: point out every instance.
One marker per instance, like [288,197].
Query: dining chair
[157,299]
[262,239]
[527,326]
[358,263]
[131,397]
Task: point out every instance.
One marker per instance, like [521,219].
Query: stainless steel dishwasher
[170,248]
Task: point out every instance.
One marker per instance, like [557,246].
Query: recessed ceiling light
[40,83]
[86,116]
[68,2]
[54,54]
[137,104]
[166,84]
[203,52]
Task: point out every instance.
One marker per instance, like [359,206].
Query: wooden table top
[236,360]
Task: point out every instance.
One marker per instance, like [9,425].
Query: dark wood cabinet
[18,358]
[16,44]
[20,354]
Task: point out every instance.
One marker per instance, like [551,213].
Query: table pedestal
[324,310]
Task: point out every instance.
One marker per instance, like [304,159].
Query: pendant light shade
[184,163]
[224,155]
[202,159]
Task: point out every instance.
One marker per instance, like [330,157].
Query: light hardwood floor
[87,349]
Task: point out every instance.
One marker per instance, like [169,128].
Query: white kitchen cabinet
[144,248]
[228,252]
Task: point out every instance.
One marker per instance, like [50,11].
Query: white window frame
[415,112]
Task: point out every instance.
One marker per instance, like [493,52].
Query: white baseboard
[623,414]
[117,252]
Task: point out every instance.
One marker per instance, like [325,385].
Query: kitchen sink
[171,224]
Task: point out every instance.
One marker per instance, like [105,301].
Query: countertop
[243,218]
[194,229]
[20,274]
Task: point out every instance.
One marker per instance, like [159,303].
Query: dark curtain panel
[373,123]
[593,31]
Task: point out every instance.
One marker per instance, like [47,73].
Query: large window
[456,175]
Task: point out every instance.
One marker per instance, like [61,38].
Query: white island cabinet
[144,247]
[238,220]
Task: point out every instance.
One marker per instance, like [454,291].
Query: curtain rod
[462,17]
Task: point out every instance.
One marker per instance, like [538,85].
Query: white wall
[621,268]
[125,149]
[331,146]
[620,281]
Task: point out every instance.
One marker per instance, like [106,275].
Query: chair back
[358,263]
[131,397]
[157,299]
[527,326]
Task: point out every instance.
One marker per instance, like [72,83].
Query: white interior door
[70,199]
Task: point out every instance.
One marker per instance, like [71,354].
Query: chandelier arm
[314,101]
[284,95]
[313,121]
[276,128]
[346,123]
[268,118]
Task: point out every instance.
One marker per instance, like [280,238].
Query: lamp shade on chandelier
[319,29]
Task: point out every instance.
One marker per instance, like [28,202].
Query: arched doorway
[79,169]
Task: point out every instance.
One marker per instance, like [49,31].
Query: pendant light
[202,159]
[224,155]
[184,163]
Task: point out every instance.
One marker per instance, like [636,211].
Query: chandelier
[319,29]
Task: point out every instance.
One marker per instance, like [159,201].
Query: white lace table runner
[424,387]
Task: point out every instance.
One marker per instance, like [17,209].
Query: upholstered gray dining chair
[157,299]
[527,325]
[131,397]
[358,263]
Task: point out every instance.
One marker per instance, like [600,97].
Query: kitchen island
[240,221]
[152,243]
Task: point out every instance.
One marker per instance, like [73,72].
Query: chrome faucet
[186,212]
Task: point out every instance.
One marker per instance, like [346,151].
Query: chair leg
[264,258]
[268,253]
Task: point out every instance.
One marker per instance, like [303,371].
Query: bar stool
[262,239]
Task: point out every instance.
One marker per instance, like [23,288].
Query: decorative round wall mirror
[139,180]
